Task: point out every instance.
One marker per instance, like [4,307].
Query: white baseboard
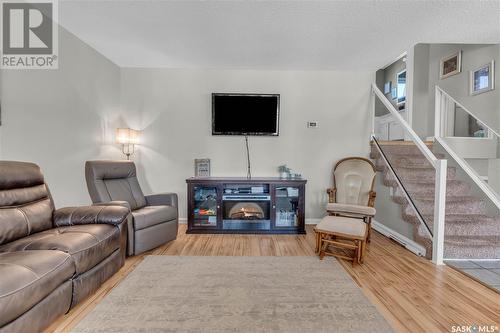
[409,244]
[313,221]
[183,220]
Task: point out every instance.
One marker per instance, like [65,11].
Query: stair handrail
[415,138]
[440,166]
[441,98]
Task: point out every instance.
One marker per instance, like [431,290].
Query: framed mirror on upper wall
[401,87]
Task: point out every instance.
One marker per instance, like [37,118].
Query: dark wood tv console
[241,205]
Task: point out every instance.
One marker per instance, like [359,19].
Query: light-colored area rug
[235,294]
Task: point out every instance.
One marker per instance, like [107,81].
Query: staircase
[469,232]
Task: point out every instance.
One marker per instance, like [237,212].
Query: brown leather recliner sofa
[50,260]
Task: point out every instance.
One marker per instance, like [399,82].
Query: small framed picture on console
[202,167]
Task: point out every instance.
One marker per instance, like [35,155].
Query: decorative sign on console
[202,167]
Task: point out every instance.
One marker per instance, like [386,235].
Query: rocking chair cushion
[347,226]
[353,209]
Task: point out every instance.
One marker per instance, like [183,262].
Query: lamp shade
[127,136]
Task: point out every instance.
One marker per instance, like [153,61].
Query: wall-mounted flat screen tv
[245,114]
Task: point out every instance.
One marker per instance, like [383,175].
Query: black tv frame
[277,133]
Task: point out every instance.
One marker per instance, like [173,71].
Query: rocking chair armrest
[371,199]
[338,208]
[332,192]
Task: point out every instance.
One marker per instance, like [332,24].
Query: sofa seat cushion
[149,216]
[27,277]
[87,244]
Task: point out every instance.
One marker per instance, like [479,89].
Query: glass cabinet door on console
[205,206]
[287,207]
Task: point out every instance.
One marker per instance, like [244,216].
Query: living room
[155,69]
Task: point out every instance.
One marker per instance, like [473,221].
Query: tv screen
[245,114]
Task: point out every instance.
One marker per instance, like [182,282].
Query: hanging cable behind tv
[249,169]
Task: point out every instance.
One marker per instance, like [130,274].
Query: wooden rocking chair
[350,208]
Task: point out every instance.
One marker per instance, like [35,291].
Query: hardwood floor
[411,293]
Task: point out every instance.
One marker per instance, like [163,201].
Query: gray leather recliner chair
[155,217]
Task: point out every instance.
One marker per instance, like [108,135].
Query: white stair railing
[444,103]
[440,167]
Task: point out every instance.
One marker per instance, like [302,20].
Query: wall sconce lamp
[128,138]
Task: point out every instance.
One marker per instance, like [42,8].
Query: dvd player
[245,189]
[246,197]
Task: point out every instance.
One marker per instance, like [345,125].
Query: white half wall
[176,121]
[61,118]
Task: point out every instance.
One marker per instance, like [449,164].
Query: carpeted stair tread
[465,247]
[418,168]
[404,161]
[459,225]
[419,171]
[400,198]
[403,149]
[390,154]
[449,218]
[461,218]
[463,206]
[454,188]
[420,175]
[479,241]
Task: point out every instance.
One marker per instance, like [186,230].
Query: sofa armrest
[130,223]
[351,209]
[113,215]
[113,203]
[169,199]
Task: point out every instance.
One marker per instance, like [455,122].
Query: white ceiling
[338,35]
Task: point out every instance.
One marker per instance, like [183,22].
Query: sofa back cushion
[114,181]
[26,206]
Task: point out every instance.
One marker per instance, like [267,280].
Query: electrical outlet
[312,124]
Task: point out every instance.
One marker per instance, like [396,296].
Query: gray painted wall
[427,58]
[61,118]
[420,110]
[176,122]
